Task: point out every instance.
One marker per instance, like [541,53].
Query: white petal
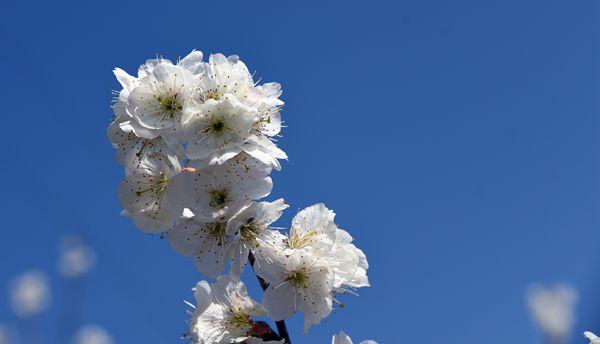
[193,62]
[202,294]
[341,338]
[280,302]
[127,81]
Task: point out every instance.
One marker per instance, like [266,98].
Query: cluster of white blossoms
[197,142]
[6,334]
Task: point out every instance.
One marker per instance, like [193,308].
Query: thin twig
[283,332]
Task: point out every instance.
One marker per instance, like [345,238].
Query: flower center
[212,95]
[218,198]
[239,320]
[144,147]
[158,186]
[169,105]
[298,241]
[249,232]
[216,229]
[217,126]
[298,278]
[265,119]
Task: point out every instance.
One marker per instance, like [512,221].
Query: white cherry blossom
[221,190]
[143,194]
[263,149]
[198,142]
[132,140]
[297,282]
[313,228]
[206,126]
[343,338]
[553,309]
[266,98]
[251,231]
[206,241]
[230,76]
[121,115]
[349,263]
[152,103]
[161,98]
[224,75]
[267,124]
[76,258]
[217,130]
[131,149]
[193,62]
[29,294]
[224,313]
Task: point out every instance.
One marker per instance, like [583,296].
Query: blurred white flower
[76,258]
[343,338]
[29,294]
[92,334]
[7,334]
[552,308]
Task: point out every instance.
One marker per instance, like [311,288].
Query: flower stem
[281,327]
[283,332]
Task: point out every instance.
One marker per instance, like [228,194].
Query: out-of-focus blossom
[29,294]
[92,334]
[552,309]
[7,334]
[76,258]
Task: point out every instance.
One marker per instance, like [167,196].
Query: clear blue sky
[456,140]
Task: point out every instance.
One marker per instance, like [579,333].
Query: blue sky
[457,141]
